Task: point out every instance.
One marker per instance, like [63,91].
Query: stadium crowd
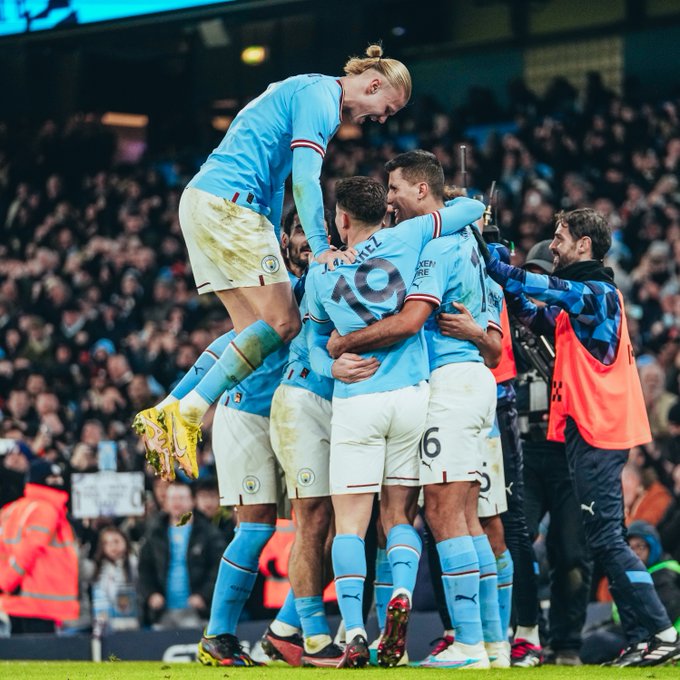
[99,317]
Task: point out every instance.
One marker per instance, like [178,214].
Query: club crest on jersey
[251,484]
[306,477]
[237,398]
[270,264]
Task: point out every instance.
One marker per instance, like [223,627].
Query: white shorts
[492,498]
[229,246]
[459,418]
[374,440]
[247,471]
[301,438]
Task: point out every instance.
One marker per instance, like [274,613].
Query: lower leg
[238,568]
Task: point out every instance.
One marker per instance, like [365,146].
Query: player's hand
[461,326]
[351,368]
[329,257]
[335,345]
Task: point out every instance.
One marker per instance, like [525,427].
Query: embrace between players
[367,372]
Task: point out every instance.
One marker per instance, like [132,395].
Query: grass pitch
[156,670]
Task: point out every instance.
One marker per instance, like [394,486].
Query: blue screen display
[28,16]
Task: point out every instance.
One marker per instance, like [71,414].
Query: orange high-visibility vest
[38,557]
[605,402]
[506,369]
[277,553]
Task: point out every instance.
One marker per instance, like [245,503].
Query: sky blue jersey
[451,270]
[298,370]
[255,157]
[356,295]
[254,394]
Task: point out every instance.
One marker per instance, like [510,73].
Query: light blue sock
[236,576]
[403,551]
[202,365]
[460,576]
[349,566]
[506,570]
[488,590]
[288,612]
[312,616]
[243,355]
[383,586]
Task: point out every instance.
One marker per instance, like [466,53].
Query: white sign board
[107,494]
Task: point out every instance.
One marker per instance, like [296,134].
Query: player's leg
[491,502]
[234,252]
[247,478]
[398,507]
[460,398]
[300,435]
[527,649]
[356,472]
[150,424]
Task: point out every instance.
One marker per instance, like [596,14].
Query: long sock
[505,569]
[460,575]
[287,621]
[383,586]
[201,366]
[528,633]
[312,616]
[349,566]
[403,551]
[236,576]
[243,355]
[488,590]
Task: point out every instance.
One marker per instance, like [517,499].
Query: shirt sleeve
[432,276]
[453,217]
[320,327]
[585,301]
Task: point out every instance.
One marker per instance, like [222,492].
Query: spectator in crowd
[647,502]
[178,564]
[38,558]
[114,583]
[207,499]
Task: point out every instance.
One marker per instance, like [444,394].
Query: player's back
[465,283]
[254,158]
[373,287]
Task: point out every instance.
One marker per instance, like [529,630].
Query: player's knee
[287,326]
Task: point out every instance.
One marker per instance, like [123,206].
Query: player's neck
[360,235]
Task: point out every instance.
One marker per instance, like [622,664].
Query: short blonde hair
[395,73]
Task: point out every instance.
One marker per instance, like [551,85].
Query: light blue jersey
[356,295]
[254,394]
[253,161]
[298,370]
[451,270]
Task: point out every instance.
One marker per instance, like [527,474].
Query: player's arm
[276,214]
[539,319]
[586,301]
[307,163]
[385,332]
[463,326]
[454,217]
[348,368]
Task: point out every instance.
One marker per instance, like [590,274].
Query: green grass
[157,670]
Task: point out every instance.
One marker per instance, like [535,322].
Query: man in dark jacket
[178,564]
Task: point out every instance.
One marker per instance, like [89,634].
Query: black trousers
[596,474]
[548,489]
[517,536]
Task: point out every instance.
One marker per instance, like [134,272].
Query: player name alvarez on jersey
[353,296]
